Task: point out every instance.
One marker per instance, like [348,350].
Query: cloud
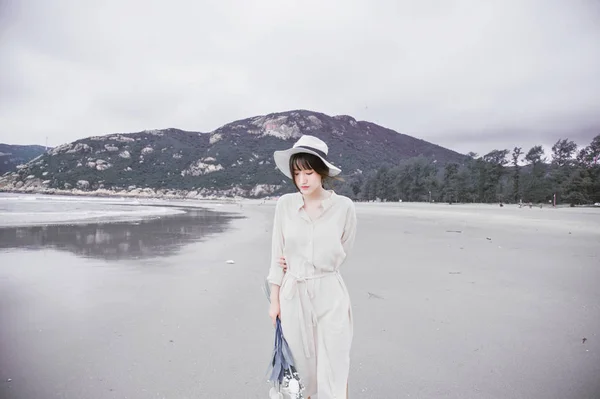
[468,75]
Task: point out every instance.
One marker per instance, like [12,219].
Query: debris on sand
[583,340]
[454,272]
[371,295]
[488,238]
[453,231]
[231,262]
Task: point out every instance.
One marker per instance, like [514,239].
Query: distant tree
[534,185]
[562,166]
[496,157]
[594,151]
[578,189]
[594,173]
[465,185]
[516,154]
[535,155]
[477,176]
[580,181]
[383,184]
[562,152]
[424,172]
[450,183]
[493,167]
[368,190]
[583,158]
[590,155]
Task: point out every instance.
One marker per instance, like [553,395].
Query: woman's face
[307,180]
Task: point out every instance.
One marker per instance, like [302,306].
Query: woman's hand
[282,263]
[274,311]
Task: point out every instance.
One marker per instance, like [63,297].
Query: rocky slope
[13,155]
[235,159]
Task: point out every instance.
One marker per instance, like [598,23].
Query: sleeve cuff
[275,276]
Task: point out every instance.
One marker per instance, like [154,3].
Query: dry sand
[449,302]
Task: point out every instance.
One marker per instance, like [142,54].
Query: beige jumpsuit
[316,314]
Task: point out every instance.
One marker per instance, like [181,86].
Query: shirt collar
[326,203]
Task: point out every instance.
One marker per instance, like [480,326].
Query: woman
[313,232]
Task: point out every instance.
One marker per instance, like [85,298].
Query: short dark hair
[304,161]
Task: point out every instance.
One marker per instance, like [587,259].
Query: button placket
[311,243]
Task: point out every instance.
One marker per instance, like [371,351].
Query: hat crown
[306,144]
[312,142]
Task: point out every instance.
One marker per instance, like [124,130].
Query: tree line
[500,176]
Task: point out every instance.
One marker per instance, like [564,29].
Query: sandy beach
[461,301]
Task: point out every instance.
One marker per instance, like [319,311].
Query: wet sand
[449,302]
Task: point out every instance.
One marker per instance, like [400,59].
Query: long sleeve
[277,244]
[349,229]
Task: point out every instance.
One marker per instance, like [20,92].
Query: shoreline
[138,193]
[193,195]
[144,211]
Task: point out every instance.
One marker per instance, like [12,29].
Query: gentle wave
[55,198]
[34,218]
[25,210]
[23,198]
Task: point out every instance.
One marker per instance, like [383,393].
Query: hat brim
[282,160]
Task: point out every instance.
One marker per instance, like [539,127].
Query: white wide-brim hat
[307,144]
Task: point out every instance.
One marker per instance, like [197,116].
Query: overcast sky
[468,75]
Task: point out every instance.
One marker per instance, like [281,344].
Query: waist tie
[308,341]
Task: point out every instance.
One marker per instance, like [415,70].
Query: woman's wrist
[274,293]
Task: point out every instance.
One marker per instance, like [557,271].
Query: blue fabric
[282,359]
[281,369]
[282,356]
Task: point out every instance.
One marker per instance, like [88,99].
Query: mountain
[13,155]
[235,159]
